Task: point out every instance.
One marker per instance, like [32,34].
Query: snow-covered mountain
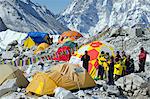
[91,16]
[25,16]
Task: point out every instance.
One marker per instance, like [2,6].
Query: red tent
[63,54]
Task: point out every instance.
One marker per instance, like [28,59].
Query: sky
[55,6]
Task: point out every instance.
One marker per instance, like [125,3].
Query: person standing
[85,58]
[102,60]
[111,71]
[127,64]
[118,57]
[117,69]
[142,60]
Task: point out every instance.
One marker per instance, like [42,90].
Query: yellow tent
[41,84]
[94,51]
[10,72]
[68,76]
[72,76]
[41,47]
[28,43]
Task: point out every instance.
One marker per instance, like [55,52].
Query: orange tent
[69,36]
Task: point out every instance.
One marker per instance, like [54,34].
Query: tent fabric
[94,49]
[63,54]
[69,36]
[71,44]
[28,43]
[71,76]
[68,76]
[38,37]
[41,47]
[41,84]
[10,72]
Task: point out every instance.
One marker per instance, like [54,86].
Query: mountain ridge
[91,16]
[25,16]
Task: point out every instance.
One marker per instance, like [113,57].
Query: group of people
[114,67]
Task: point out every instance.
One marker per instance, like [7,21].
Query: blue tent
[38,37]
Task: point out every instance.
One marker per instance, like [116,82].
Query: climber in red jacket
[142,60]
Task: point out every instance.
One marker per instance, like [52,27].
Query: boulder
[81,93]
[13,43]
[61,93]
[8,55]
[8,86]
[132,85]
[113,90]
[100,82]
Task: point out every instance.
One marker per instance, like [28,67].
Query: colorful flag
[21,62]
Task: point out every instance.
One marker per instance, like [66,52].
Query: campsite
[44,67]
[74,49]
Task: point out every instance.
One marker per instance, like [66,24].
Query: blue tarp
[38,37]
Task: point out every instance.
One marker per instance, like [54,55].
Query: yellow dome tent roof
[94,49]
[41,84]
[28,43]
[72,79]
[68,76]
[41,47]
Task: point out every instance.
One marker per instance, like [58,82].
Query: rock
[61,93]
[18,89]
[81,93]
[130,94]
[100,82]
[105,87]
[130,82]
[128,87]
[13,43]
[137,80]
[7,86]
[148,89]
[125,93]
[101,89]
[120,82]
[136,92]
[46,97]
[144,92]
[142,97]
[7,55]
[113,90]
[144,85]
[134,87]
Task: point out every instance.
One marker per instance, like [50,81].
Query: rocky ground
[133,86]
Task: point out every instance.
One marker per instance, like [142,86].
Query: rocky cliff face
[25,16]
[91,16]
[2,25]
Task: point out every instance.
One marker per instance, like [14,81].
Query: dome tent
[63,54]
[68,76]
[69,36]
[35,38]
[41,47]
[94,49]
[10,72]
